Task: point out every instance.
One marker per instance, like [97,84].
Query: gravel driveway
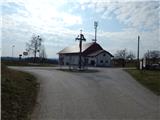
[110,94]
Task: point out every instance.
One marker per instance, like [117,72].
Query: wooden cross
[80,38]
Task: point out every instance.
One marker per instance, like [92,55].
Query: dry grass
[23,63]
[148,78]
[19,92]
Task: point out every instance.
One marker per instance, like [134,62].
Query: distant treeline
[124,63]
[30,60]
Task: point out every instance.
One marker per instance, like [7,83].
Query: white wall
[90,59]
[70,59]
[74,59]
[101,60]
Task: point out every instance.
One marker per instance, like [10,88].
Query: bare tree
[130,55]
[34,45]
[121,54]
[124,54]
[152,56]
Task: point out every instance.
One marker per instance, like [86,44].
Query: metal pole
[138,52]
[12,50]
[95,26]
[80,59]
[95,33]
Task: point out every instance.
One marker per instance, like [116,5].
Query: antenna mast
[95,27]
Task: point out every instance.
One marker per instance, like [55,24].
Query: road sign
[25,53]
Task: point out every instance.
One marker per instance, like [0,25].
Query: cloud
[127,38]
[54,21]
[22,18]
[41,13]
[138,14]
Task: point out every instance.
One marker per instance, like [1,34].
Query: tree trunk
[35,56]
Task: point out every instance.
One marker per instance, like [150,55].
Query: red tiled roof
[88,49]
[98,52]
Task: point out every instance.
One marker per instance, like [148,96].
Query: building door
[92,62]
[86,61]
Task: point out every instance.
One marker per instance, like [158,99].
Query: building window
[101,61]
[104,54]
[86,60]
[106,61]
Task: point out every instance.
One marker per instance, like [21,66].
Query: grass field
[18,63]
[18,94]
[148,78]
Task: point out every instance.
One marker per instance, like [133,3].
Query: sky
[59,22]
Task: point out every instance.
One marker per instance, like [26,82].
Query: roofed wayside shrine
[85,54]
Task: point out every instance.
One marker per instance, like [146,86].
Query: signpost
[25,53]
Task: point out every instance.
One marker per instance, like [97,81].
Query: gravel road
[110,94]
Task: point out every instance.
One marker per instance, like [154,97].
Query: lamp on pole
[12,50]
[138,52]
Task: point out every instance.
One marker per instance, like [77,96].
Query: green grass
[148,78]
[18,94]
[23,63]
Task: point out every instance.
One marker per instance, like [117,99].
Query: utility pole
[138,52]
[80,38]
[95,27]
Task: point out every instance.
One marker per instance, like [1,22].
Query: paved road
[110,94]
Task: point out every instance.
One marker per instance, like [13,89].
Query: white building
[92,55]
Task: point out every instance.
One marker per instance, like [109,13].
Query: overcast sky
[58,22]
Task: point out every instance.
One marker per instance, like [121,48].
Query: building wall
[92,61]
[69,59]
[103,59]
